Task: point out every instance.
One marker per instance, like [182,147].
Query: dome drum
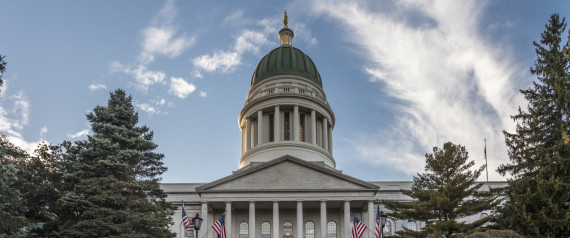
[286,111]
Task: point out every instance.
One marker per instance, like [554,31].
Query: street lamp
[383,217]
[197,221]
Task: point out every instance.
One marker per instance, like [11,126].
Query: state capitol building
[287,184]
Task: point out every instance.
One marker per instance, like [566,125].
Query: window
[387,228]
[243,230]
[286,126]
[309,229]
[331,229]
[411,225]
[302,127]
[271,126]
[288,229]
[265,230]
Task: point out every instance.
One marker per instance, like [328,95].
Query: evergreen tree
[539,190]
[13,221]
[445,193]
[112,184]
[39,181]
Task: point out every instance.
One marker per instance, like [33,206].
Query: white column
[300,219]
[324,219]
[325,134]
[204,216]
[276,224]
[371,217]
[347,219]
[247,134]
[313,127]
[251,219]
[228,219]
[296,123]
[276,124]
[259,127]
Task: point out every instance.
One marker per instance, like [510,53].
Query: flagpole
[486,166]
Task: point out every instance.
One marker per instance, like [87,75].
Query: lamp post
[383,217]
[197,221]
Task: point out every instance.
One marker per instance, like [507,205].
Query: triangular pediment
[287,174]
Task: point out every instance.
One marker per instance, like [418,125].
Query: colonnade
[279,124]
[277,232]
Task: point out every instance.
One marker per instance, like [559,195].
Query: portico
[314,199]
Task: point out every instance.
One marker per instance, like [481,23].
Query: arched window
[288,229]
[310,229]
[243,230]
[388,228]
[265,230]
[331,229]
[411,225]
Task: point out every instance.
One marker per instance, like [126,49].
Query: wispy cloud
[43,131]
[180,88]
[14,117]
[161,37]
[151,110]
[144,78]
[249,41]
[203,94]
[78,134]
[221,61]
[453,84]
[94,87]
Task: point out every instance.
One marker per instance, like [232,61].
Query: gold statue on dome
[285,20]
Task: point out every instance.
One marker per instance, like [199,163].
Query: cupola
[286,111]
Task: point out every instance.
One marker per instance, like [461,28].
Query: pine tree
[445,193]
[112,178]
[39,181]
[13,221]
[539,190]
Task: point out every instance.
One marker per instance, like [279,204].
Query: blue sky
[401,76]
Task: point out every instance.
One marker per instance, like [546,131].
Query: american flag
[358,228]
[378,231]
[187,220]
[220,227]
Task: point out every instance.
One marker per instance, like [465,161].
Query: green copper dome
[286,60]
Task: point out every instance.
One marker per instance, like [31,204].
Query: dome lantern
[286,34]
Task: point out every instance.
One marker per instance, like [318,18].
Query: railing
[295,89]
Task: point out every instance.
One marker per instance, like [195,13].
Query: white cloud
[14,117]
[235,17]
[160,38]
[161,102]
[94,87]
[250,41]
[454,85]
[247,42]
[180,88]
[203,94]
[78,134]
[144,78]
[221,61]
[148,108]
[43,131]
